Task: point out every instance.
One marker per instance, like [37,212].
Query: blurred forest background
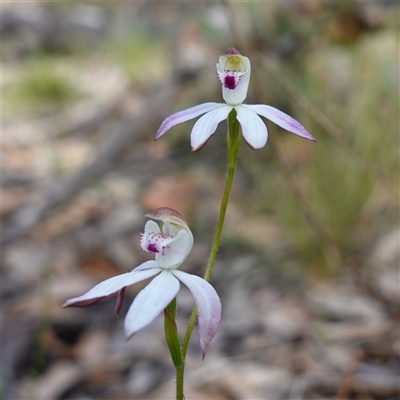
[308,266]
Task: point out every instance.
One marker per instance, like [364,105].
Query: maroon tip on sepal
[83,303]
[120,299]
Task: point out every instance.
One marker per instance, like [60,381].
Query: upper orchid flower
[171,246]
[233,71]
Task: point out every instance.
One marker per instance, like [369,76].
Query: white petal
[147,265]
[207,125]
[173,229]
[176,251]
[113,285]
[208,306]
[151,226]
[253,128]
[281,119]
[149,303]
[183,116]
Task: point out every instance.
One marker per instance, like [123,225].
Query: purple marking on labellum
[229,82]
[152,247]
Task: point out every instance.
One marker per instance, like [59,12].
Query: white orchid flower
[233,71]
[171,246]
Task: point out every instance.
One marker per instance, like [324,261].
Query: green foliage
[144,59]
[43,87]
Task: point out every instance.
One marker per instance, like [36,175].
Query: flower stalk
[233,145]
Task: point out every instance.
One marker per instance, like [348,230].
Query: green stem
[233,144]
[179,373]
[171,336]
[171,333]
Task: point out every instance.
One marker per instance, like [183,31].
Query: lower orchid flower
[233,71]
[171,246]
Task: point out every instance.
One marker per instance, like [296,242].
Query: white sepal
[206,126]
[113,285]
[281,119]
[151,301]
[254,130]
[208,306]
